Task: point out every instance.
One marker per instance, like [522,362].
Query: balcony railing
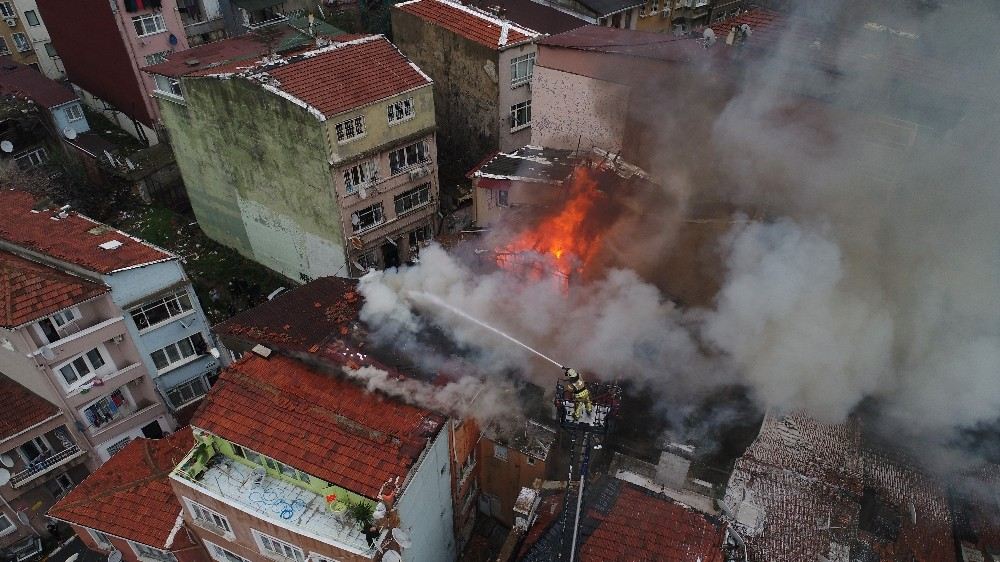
[40,467]
[125,412]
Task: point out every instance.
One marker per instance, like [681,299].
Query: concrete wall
[49,66]
[509,96]
[35,502]
[256,172]
[62,121]
[466,93]
[379,134]
[519,196]
[504,479]
[425,507]
[465,491]
[571,110]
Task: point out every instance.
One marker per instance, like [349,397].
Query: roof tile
[21,408]
[29,290]
[473,24]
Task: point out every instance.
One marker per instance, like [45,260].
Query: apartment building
[510,461]
[40,459]
[48,60]
[103,44]
[320,160]
[127,355]
[14,39]
[283,451]
[481,65]
[127,505]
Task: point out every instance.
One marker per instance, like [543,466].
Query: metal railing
[44,465]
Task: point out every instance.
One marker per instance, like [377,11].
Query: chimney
[504,32]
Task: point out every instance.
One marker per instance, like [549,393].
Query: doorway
[152,430]
[390,255]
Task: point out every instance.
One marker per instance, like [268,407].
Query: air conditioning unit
[418,173]
[11,22]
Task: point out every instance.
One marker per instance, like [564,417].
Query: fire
[562,238]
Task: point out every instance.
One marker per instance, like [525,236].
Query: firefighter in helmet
[581,396]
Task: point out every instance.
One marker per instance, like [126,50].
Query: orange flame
[563,237]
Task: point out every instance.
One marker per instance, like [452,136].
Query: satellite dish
[7,146]
[115,556]
[4,476]
[6,461]
[402,538]
[73,557]
[709,37]
[23,518]
[363,192]
[47,353]
[391,556]
[69,132]
[745,28]
[355,219]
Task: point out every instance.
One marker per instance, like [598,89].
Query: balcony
[81,340]
[46,464]
[122,414]
[276,501]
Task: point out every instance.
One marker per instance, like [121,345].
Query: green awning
[253,5]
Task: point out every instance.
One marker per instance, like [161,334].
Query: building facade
[321,163]
[121,37]
[122,364]
[48,60]
[127,505]
[41,458]
[511,462]
[14,39]
[323,446]
[481,65]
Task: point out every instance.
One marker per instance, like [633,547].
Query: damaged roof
[805,490]
[72,237]
[30,291]
[21,408]
[24,81]
[530,164]
[136,482]
[317,422]
[532,438]
[533,15]
[623,521]
[469,22]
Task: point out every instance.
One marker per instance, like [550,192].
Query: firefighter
[581,396]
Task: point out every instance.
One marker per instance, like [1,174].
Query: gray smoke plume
[868,138]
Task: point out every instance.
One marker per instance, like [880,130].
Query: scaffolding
[584,435]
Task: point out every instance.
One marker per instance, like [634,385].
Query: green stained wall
[256,171]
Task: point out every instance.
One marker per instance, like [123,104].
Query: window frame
[175,91]
[102,539]
[362,174]
[40,443]
[117,446]
[157,554]
[421,153]
[178,298]
[357,129]
[208,523]
[26,42]
[87,360]
[520,108]
[181,358]
[376,210]
[180,387]
[504,456]
[268,462]
[528,60]
[156,58]
[420,235]
[417,198]
[226,553]
[400,111]
[39,154]
[297,554]
[159,25]
[4,50]
[503,198]
[33,16]
[74,112]
[7,10]
[10,528]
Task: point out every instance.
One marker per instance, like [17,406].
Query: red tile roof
[349,74]
[473,24]
[301,320]
[316,422]
[130,495]
[643,526]
[74,239]
[29,83]
[29,290]
[21,408]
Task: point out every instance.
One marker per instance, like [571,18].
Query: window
[6,525]
[32,18]
[179,352]
[118,446]
[21,42]
[148,24]
[59,485]
[209,519]
[161,310]
[7,11]
[3,47]
[320,558]
[406,157]
[367,218]
[31,159]
[102,540]
[521,69]
[34,449]
[420,235]
[82,368]
[66,316]
[500,452]
[169,86]
[367,260]
[503,198]
[50,50]
[222,555]
[157,58]
[350,129]
[187,392]
[359,175]
[150,553]
[107,409]
[520,116]
[399,111]
[74,112]
[274,465]
[412,199]
[275,547]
